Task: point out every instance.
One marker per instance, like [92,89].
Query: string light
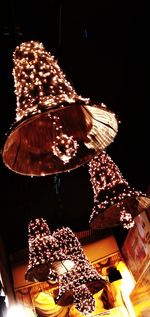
[82,280]
[60,250]
[39,81]
[83,300]
[126,218]
[68,243]
[55,129]
[43,250]
[63,146]
[115,201]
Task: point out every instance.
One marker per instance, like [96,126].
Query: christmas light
[83,300]
[125,217]
[43,250]
[64,146]
[41,82]
[59,257]
[55,129]
[115,202]
[83,280]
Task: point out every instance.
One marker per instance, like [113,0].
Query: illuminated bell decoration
[77,285]
[60,259]
[43,252]
[84,278]
[115,202]
[55,130]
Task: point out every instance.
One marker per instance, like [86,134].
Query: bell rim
[67,296]
[100,221]
[87,154]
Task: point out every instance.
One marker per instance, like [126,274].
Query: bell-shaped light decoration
[115,202]
[47,257]
[82,281]
[43,250]
[69,246]
[55,130]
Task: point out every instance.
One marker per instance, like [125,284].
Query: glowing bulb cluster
[39,82]
[68,243]
[104,174]
[83,300]
[43,249]
[80,276]
[47,249]
[63,146]
[126,218]
[110,188]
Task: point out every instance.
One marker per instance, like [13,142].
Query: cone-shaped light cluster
[43,250]
[56,130]
[60,258]
[115,201]
[82,276]
[68,242]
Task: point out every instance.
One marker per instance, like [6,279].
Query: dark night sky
[102,47]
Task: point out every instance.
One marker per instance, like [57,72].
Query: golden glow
[140,295]
[45,302]
[128,282]
[126,287]
[19,311]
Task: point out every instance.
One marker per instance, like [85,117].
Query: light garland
[42,91]
[125,217]
[43,250]
[104,174]
[60,258]
[39,81]
[115,201]
[83,300]
[68,243]
[83,278]
[63,146]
